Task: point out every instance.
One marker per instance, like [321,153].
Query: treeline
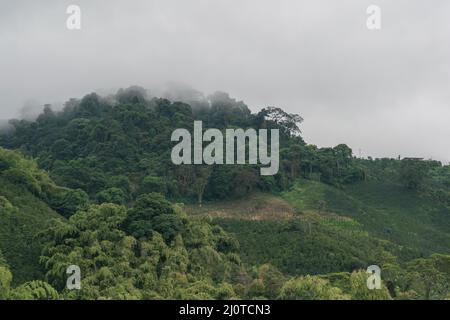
[427,177]
[116,148]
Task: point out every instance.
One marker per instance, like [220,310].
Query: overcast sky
[386,92]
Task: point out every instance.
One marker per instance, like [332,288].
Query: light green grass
[331,229]
[385,210]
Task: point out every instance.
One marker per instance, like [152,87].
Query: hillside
[385,209]
[315,228]
[23,214]
[93,185]
[177,258]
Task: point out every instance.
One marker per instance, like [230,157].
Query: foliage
[35,290]
[112,195]
[119,266]
[310,288]
[413,173]
[26,208]
[153,213]
[93,140]
[5,281]
[101,195]
[359,290]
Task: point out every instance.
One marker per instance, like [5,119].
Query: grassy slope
[315,228]
[18,229]
[391,212]
[22,216]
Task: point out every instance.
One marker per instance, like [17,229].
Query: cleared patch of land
[256,207]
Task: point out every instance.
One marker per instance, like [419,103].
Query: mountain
[94,185]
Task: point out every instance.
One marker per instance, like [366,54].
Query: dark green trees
[153,213]
[183,259]
[127,135]
[413,173]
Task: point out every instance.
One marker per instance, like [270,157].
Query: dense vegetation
[102,193]
[119,147]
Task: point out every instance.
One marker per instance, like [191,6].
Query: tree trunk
[200,198]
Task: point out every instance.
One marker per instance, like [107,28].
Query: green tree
[5,282]
[112,195]
[153,184]
[201,178]
[72,201]
[431,277]
[35,290]
[153,213]
[310,288]
[360,291]
[413,173]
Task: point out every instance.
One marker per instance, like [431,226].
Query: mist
[384,93]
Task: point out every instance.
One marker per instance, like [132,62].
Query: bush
[111,195]
[310,288]
[153,212]
[20,177]
[153,184]
[72,201]
[35,290]
[5,281]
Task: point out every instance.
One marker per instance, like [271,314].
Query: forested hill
[149,251]
[118,147]
[93,185]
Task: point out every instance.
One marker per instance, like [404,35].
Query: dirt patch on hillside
[256,207]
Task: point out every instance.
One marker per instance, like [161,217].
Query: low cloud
[382,92]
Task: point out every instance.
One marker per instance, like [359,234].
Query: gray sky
[385,92]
